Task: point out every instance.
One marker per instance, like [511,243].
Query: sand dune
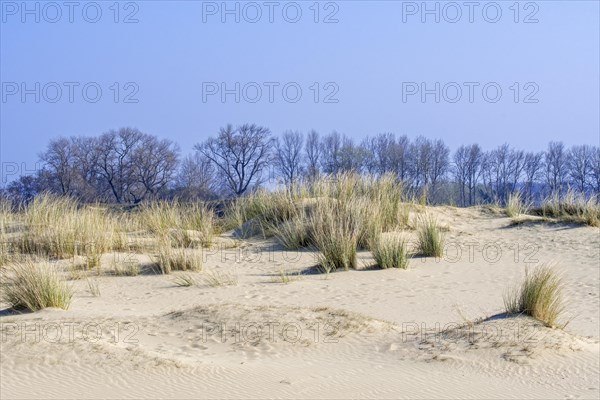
[432,331]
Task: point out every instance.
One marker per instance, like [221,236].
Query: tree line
[127,166]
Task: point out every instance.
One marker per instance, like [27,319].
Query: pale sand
[351,343]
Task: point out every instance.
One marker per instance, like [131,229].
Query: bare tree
[153,163]
[595,170]
[467,170]
[23,190]
[371,164]
[115,167]
[132,166]
[331,153]
[312,152]
[459,170]
[438,166]
[351,157]
[384,147]
[240,154]
[86,154]
[420,151]
[196,178]
[502,171]
[386,154]
[533,165]
[59,159]
[400,157]
[556,166]
[288,156]
[579,165]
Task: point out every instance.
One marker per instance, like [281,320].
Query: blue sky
[364,65]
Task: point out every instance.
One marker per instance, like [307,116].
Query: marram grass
[34,286]
[540,296]
[430,237]
[390,252]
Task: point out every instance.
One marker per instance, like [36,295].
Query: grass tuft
[336,229]
[58,227]
[573,208]
[516,205]
[178,259]
[184,225]
[335,214]
[293,234]
[539,296]
[185,280]
[6,220]
[127,266]
[390,252]
[35,286]
[431,237]
[220,279]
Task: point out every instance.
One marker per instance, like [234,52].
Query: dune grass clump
[384,196]
[336,229]
[539,296]
[6,216]
[220,279]
[382,199]
[185,225]
[572,207]
[6,219]
[516,205]
[430,237]
[261,212]
[58,227]
[387,194]
[93,260]
[390,252]
[336,215]
[34,286]
[177,259]
[127,266]
[293,234]
[77,271]
[185,280]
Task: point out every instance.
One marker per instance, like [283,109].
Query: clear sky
[361,67]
